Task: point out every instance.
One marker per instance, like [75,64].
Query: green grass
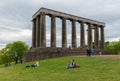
[92,69]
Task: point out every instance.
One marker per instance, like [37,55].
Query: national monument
[39,50]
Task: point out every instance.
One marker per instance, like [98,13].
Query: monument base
[49,52]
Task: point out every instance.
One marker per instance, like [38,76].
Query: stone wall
[44,53]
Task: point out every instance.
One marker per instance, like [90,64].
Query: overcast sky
[16,15]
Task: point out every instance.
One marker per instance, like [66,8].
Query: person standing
[92,51]
[58,51]
[88,52]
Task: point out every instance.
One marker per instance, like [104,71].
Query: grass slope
[92,69]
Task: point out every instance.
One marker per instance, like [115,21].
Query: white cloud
[8,37]
[16,35]
[15,16]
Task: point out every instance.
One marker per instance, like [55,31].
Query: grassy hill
[92,69]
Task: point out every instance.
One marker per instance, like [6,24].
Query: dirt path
[110,56]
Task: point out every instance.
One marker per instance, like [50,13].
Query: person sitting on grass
[36,64]
[72,65]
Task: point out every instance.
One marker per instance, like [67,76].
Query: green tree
[5,57]
[17,49]
[13,52]
[114,47]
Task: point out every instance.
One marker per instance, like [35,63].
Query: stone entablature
[67,16]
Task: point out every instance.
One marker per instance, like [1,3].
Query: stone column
[38,31]
[74,34]
[34,33]
[96,37]
[53,31]
[102,37]
[43,25]
[64,33]
[89,35]
[82,34]
[40,37]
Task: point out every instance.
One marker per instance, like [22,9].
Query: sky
[16,16]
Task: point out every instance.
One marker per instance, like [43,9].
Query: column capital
[72,20]
[81,22]
[42,13]
[63,18]
[51,15]
[101,26]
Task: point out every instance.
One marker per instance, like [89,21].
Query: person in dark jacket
[72,65]
[88,52]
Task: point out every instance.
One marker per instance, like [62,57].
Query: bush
[114,47]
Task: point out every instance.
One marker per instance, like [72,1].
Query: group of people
[36,64]
[71,65]
[90,51]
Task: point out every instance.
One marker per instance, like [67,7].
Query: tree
[5,56]
[13,52]
[114,47]
[17,49]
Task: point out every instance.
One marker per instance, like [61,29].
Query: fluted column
[96,37]
[34,33]
[82,34]
[102,37]
[89,35]
[64,33]
[74,34]
[53,31]
[43,25]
